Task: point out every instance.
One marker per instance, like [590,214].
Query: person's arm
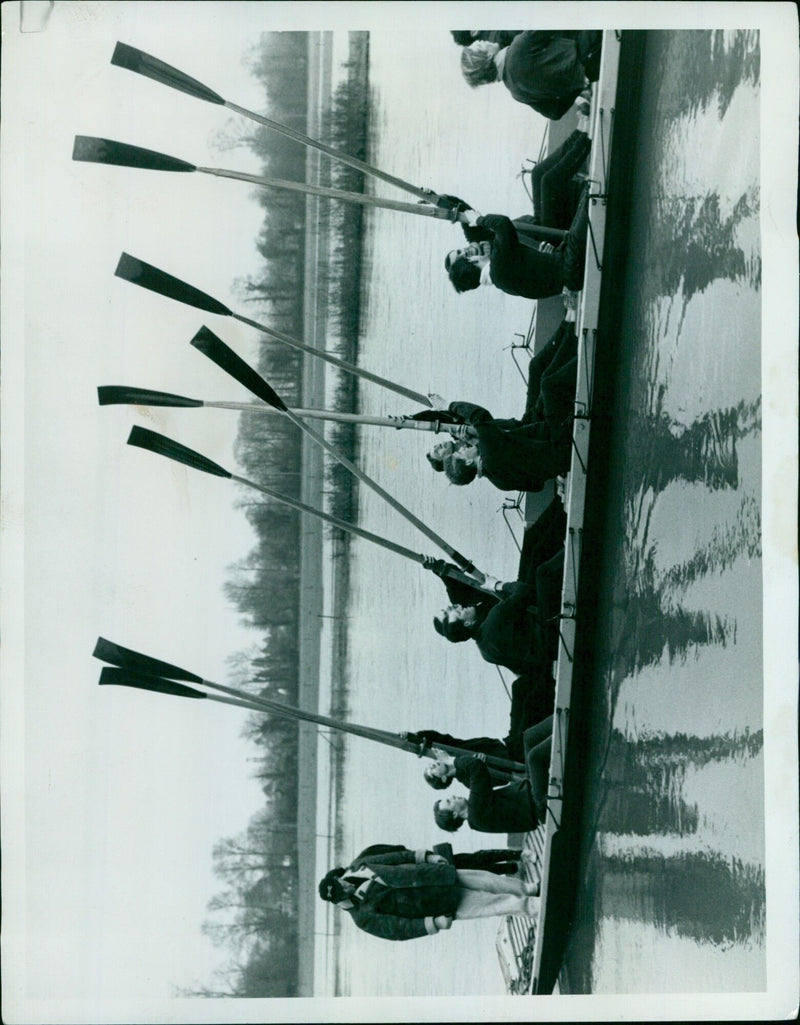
[505,234]
[470,413]
[518,593]
[481,792]
[431,738]
[471,229]
[458,591]
[392,927]
[397,857]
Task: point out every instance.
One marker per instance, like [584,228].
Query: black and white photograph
[399,511]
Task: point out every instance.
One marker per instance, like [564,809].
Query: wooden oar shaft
[431,534]
[360,198]
[343,158]
[293,712]
[350,528]
[367,535]
[369,732]
[349,368]
[151,67]
[398,422]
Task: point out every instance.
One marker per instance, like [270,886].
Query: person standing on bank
[422,895]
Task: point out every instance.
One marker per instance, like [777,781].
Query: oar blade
[125,658]
[128,678]
[140,273]
[105,151]
[121,395]
[141,437]
[210,345]
[142,63]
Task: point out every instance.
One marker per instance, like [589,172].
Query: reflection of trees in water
[695,245]
[645,778]
[728,541]
[700,895]
[647,620]
[659,450]
[648,626]
[701,66]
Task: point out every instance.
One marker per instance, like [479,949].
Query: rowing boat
[530,955]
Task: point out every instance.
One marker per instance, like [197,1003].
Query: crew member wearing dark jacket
[521,455]
[491,808]
[515,632]
[422,894]
[502,37]
[515,628]
[534,270]
[546,70]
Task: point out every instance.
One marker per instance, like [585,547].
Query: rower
[519,455]
[548,71]
[515,807]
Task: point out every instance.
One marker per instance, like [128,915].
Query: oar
[151,67]
[94,150]
[138,670]
[144,438]
[140,273]
[115,394]
[210,345]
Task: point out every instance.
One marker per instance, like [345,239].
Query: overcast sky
[119,542]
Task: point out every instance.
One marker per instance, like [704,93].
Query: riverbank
[337,62]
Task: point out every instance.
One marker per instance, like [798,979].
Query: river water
[672,867]
[672,886]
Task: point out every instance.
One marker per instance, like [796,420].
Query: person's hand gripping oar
[152,441]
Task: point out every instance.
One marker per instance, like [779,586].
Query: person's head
[456,623]
[331,887]
[437,454]
[464,266]
[439,775]
[464,276]
[477,63]
[450,812]
[461,467]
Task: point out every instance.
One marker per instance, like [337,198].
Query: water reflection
[661,450]
[702,244]
[704,66]
[664,834]
[698,894]
[644,779]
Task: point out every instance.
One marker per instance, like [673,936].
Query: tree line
[255,915]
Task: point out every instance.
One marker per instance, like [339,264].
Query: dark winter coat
[544,70]
[403,902]
[521,455]
[506,809]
